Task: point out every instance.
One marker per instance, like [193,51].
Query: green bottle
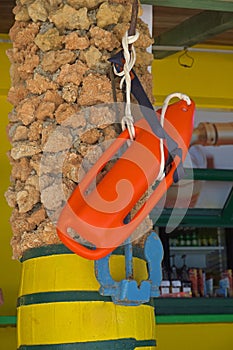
[204,240]
[188,240]
[194,240]
[181,240]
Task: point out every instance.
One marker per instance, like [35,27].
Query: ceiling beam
[194,30]
[217,5]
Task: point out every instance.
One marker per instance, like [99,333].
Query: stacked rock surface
[60,69]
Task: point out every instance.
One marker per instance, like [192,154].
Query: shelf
[7,321]
[186,319]
[197,249]
[193,306]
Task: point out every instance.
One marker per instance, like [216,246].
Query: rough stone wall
[59,65]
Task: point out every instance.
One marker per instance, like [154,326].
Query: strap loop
[163,113]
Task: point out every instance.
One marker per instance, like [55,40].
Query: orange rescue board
[98,217]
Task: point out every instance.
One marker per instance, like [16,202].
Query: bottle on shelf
[199,240]
[201,280]
[175,282]
[188,241]
[174,275]
[194,240]
[209,283]
[212,240]
[204,240]
[173,241]
[185,280]
[194,283]
[165,283]
[181,240]
[226,283]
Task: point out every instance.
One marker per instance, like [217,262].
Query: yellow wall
[208,82]
[9,269]
[8,338]
[5,64]
[202,336]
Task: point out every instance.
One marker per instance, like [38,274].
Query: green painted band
[64,296]
[186,319]
[51,297]
[116,344]
[53,249]
[57,249]
[6,321]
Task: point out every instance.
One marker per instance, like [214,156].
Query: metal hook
[185,54]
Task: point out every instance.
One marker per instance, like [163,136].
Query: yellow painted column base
[80,322]
[59,306]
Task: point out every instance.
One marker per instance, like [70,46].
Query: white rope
[181,96]
[128,120]
[130,58]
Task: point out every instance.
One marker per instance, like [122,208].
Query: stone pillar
[59,66]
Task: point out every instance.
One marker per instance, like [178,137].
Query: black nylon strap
[149,113]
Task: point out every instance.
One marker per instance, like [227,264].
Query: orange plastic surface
[98,217]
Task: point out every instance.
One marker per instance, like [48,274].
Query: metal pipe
[213,134]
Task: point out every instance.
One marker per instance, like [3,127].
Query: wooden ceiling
[175,23]
[185,27]
[166,18]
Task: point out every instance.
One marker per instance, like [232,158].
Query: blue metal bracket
[127,291]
